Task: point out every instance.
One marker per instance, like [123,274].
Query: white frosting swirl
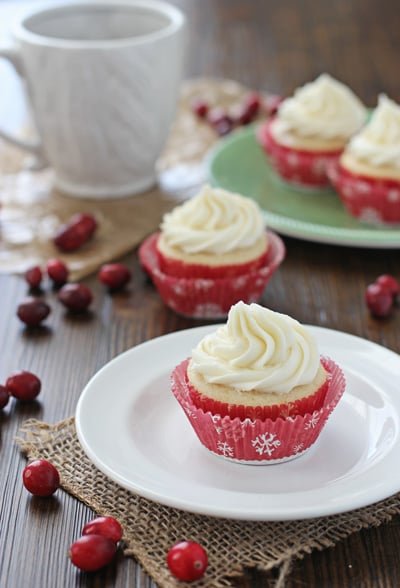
[378,143]
[325,108]
[213,221]
[257,349]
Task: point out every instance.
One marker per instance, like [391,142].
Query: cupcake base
[374,201]
[256,441]
[300,168]
[210,298]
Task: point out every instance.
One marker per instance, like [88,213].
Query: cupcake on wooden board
[211,251]
[310,130]
[257,390]
[367,175]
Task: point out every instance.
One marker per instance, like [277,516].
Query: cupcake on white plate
[310,130]
[257,389]
[211,251]
[367,175]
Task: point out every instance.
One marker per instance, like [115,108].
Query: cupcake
[257,390]
[310,130]
[367,175]
[211,251]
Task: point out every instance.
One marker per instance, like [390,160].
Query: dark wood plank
[273,46]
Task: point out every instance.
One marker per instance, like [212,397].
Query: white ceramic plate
[134,431]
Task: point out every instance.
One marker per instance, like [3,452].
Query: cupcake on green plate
[367,175]
[310,130]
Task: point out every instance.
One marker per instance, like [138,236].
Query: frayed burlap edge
[151,528]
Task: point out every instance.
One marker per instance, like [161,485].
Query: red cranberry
[75,297]
[23,385]
[57,271]
[378,300]
[200,107]
[249,109]
[92,552]
[34,276]
[32,311]
[272,103]
[187,560]
[4,397]
[389,283]
[41,478]
[79,229]
[106,526]
[114,275]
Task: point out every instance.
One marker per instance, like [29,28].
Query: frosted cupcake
[257,390]
[310,130]
[367,176]
[211,252]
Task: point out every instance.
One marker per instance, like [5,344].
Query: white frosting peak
[324,108]
[257,349]
[378,143]
[213,221]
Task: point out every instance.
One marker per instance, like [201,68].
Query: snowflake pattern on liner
[313,421]
[265,443]
[370,215]
[298,448]
[225,449]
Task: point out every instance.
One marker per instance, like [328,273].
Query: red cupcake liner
[298,167]
[258,441]
[371,200]
[284,410]
[210,298]
[179,269]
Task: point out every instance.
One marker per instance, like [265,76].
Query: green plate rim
[363,237]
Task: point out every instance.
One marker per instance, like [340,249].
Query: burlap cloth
[30,211]
[150,528]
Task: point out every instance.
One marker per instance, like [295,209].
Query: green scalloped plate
[237,163]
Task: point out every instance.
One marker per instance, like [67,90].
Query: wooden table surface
[266,45]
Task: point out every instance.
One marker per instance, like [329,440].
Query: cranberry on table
[4,396]
[114,275]
[57,271]
[187,561]
[75,233]
[379,300]
[34,276]
[23,385]
[92,552]
[249,109]
[32,311]
[272,103]
[41,478]
[389,283]
[75,297]
[106,526]
[200,107]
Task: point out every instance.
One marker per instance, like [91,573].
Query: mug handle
[34,146]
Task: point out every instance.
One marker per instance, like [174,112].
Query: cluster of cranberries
[33,310]
[224,121]
[22,385]
[381,295]
[97,546]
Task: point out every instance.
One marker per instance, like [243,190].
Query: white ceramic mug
[103,79]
